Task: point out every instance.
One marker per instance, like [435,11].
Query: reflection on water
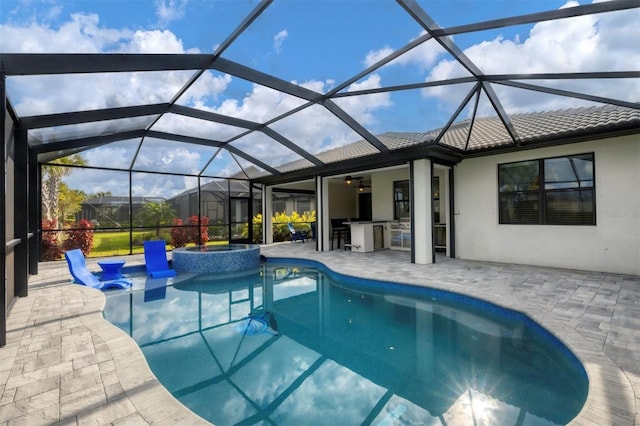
[322,352]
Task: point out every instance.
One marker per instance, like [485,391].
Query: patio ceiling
[272,146]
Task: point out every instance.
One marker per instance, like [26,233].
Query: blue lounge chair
[81,275]
[296,235]
[155,257]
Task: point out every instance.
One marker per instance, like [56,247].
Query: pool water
[292,343]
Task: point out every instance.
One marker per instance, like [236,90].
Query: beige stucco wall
[382,191]
[613,245]
[342,200]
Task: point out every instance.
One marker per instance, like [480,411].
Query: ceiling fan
[362,186]
[349,179]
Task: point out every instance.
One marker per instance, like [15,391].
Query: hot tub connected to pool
[216,258]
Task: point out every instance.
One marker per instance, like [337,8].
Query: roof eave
[437,153]
[630,128]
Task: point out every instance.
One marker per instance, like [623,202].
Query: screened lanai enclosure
[208,211]
[124,131]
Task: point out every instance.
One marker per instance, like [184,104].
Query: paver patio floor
[63,364]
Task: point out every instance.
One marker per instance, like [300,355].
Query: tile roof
[490,132]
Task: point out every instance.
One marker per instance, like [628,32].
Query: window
[401,199]
[279,206]
[303,205]
[552,191]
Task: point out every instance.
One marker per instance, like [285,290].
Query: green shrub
[281,232]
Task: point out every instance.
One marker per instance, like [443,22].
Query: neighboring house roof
[113,200]
[490,132]
[217,185]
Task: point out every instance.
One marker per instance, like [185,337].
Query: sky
[317,44]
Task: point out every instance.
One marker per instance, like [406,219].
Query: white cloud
[278,39]
[170,10]
[208,86]
[155,155]
[364,108]
[54,12]
[423,56]
[315,129]
[261,104]
[604,42]
[81,34]
[377,55]
[153,41]
[65,93]
[167,156]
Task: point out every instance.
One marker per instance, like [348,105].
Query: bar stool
[313,230]
[339,230]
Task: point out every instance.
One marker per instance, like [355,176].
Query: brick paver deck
[64,364]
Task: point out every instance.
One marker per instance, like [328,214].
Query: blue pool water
[292,343]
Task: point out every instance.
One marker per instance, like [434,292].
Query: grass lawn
[117,243]
[113,243]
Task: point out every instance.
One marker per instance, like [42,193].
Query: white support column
[422,214]
[267,214]
[323,221]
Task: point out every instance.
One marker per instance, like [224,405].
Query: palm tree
[156,214]
[52,175]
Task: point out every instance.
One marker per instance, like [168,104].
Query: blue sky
[317,44]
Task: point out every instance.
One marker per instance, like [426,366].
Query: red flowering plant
[51,249]
[196,231]
[179,236]
[79,235]
[182,234]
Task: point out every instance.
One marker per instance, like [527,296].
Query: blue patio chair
[81,275]
[155,257]
[296,235]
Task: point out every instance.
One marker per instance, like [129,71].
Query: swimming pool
[323,349]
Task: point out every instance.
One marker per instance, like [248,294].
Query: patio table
[111,269]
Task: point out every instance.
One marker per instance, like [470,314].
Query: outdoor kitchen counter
[367,236]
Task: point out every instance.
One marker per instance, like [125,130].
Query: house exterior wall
[342,200]
[613,245]
[382,192]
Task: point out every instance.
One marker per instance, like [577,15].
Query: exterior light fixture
[348,180]
[361,187]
